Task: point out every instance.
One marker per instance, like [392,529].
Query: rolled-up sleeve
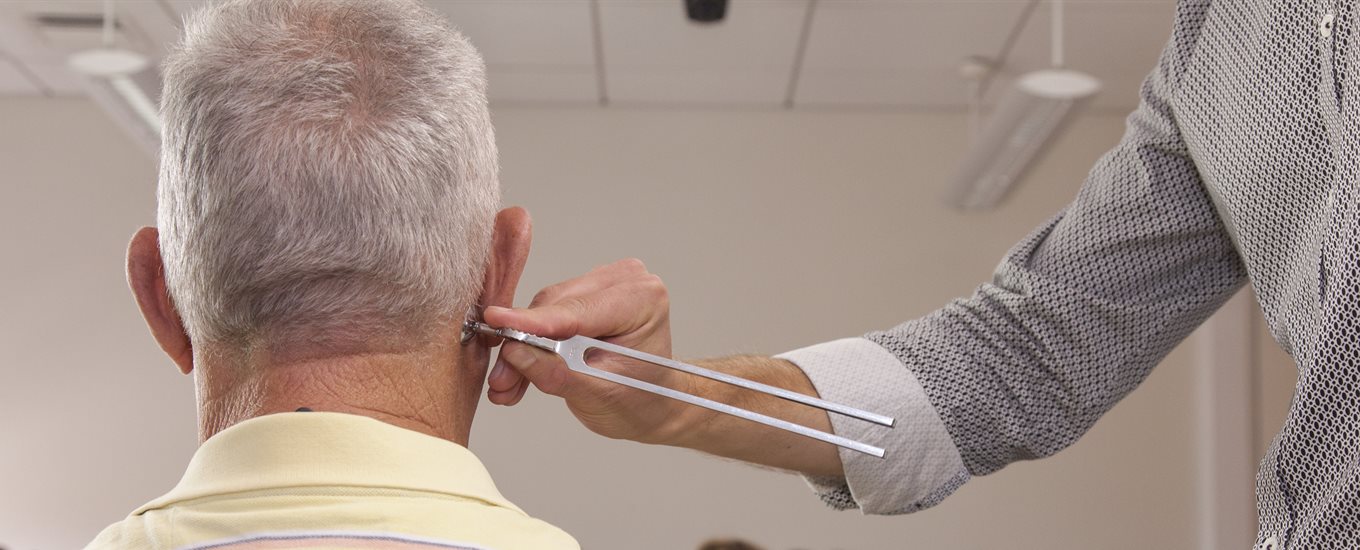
[921,466]
[1075,317]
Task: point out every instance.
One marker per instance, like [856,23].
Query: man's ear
[510,242]
[146,276]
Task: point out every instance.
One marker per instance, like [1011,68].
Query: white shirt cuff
[921,465]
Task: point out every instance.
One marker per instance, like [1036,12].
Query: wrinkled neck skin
[432,390]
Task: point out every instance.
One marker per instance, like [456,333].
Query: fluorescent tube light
[1024,125]
[111,84]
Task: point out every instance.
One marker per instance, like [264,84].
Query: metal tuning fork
[573,352]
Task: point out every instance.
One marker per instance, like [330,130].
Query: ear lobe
[510,242]
[146,277]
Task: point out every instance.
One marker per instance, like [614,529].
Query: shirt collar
[320,449]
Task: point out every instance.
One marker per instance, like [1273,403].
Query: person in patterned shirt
[1240,165]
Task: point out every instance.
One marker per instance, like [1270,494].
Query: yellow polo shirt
[330,480]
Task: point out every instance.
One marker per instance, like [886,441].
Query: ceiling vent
[107,52]
[72,32]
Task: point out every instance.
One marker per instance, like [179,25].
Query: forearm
[624,305]
[736,438]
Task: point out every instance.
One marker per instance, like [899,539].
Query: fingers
[502,377]
[596,280]
[618,309]
[560,323]
[545,370]
[505,385]
[509,397]
[519,393]
[620,300]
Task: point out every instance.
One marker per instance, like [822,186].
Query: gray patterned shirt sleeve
[1241,159]
[1079,312]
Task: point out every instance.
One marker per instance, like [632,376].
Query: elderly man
[328,195]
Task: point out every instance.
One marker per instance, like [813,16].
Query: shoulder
[1190,22]
[117,537]
[472,523]
[547,536]
[515,529]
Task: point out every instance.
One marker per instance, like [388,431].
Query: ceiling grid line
[777,55]
[28,75]
[999,60]
[799,53]
[171,14]
[598,41]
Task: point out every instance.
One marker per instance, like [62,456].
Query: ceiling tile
[57,78]
[147,28]
[149,25]
[859,53]
[526,33]
[898,53]
[757,88]
[536,51]
[874,36]
[184,7]
[907,52]
[13,81]
[1069,2]
[511,86]
[550,33]
[932,88]
[653,53]
[755,35]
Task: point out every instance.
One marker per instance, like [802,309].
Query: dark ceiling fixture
[706,11]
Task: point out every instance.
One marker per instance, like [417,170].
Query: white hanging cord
[1056,11]
[975,70]
[108,23]
[974,109]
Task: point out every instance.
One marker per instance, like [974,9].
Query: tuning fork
[573,352]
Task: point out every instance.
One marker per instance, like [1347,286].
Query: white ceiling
[886,54]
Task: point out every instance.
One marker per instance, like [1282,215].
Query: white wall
[772,230]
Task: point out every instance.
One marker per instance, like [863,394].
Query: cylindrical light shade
[107,62]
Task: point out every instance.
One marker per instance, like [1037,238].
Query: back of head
[328,174]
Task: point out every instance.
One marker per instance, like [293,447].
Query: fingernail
[497,309]
[497,371]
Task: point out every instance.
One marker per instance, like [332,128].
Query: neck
[433,391]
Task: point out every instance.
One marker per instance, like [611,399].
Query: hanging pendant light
[1024,125]
[114,65]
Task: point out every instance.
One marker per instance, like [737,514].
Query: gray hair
[328,172]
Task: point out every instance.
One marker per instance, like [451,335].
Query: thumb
[546,370]
[620,310]
[559,320]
